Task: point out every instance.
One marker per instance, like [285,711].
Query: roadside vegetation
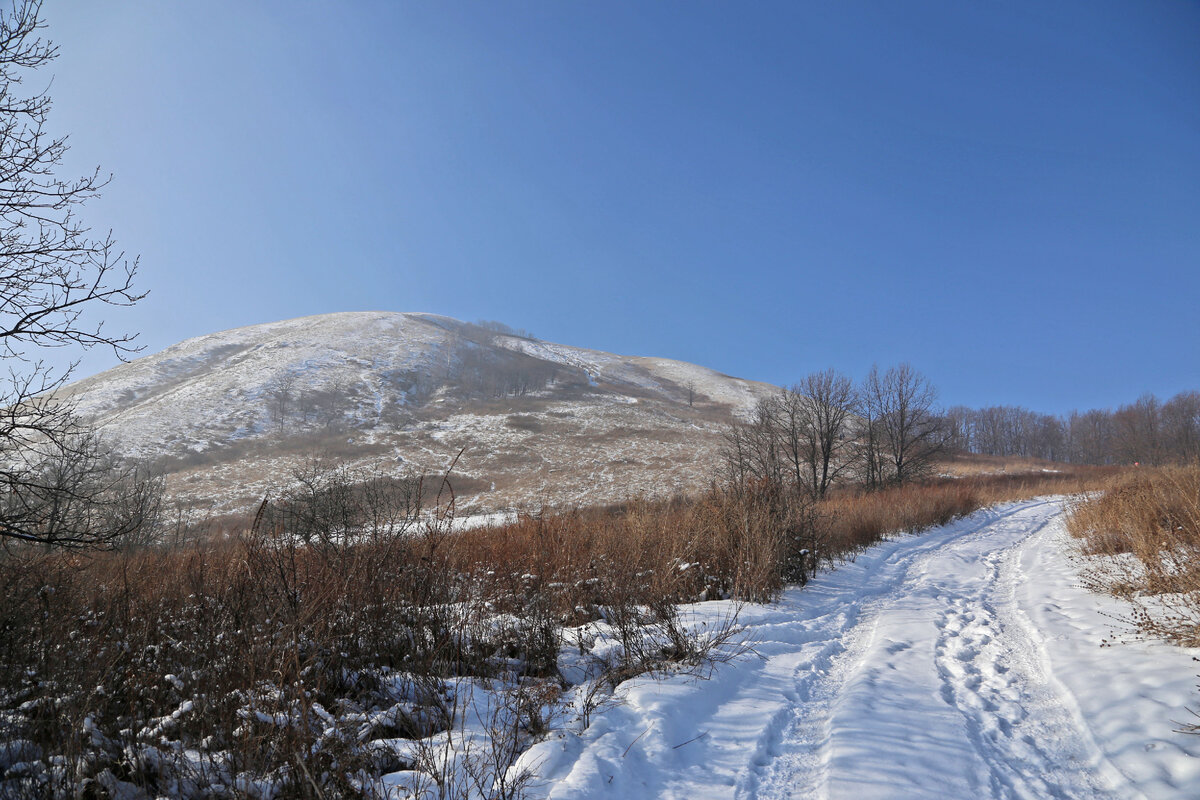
[1146,525]
[349,632]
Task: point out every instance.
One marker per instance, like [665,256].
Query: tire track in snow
[793,751]
[939,690]
[1017,719]
[1067,704]
[925,669]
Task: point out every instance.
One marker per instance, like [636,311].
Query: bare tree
[1091,435]
[903,430]
[798,440]
[869,442]
[79,493]
[959,424]
[1137,436]
[1006,431]
[788,418]
[752,449]
[1181,425]
[52,272]
[281,393]
[826,400]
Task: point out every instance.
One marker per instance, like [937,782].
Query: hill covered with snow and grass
[234,414]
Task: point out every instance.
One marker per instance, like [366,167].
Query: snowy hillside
[235,413]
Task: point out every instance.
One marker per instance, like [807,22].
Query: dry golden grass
[961,465]
[219,638]
[727,542]
[1145,526]
[1144,512]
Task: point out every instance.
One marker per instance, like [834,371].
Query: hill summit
[232,415]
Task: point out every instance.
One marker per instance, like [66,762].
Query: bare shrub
[273,657]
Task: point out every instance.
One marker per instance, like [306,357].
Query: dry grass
[262,653]
[857,519]
[282,654]
[743,543]
[962,465]
[214,644]
[1145,526]
[581,560]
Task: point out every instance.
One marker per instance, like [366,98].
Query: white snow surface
[221,380]
[965,662]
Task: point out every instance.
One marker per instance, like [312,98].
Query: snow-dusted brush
[1140,540]
[350,643]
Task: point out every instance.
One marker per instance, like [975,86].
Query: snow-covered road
[961,663]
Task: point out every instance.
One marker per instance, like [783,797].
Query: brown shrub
[858,519]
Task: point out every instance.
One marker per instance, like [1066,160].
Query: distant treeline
[1148,431]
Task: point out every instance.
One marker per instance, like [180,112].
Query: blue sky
[1006,195]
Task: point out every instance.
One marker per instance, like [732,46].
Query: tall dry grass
[282,653]
[246,652]
[743,542]
[1145,526]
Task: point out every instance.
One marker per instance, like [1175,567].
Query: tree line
[887,429]
[1146,431]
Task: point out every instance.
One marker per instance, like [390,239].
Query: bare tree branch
[57,483]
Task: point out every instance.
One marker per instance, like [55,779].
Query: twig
[689,741]
[635,741]
[258,518]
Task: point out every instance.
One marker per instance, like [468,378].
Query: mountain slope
[236,413]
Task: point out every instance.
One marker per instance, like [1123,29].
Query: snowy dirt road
[961,663]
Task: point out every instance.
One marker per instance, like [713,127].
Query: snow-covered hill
[235,413]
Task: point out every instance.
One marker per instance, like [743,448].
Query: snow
[221,382]
[965,662]
[493,519]
[662,375]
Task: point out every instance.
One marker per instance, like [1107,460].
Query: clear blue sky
[1006,195]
